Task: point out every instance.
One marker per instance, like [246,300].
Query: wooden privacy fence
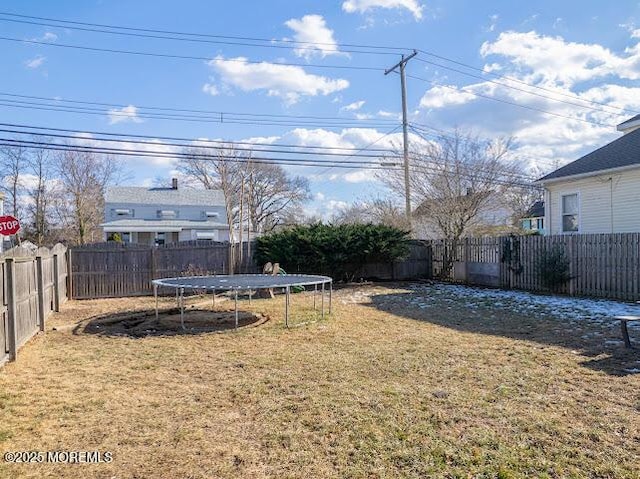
[416,266]
[109,270]
[600,265]
[33,284]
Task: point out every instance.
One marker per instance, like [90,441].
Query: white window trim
[569,193]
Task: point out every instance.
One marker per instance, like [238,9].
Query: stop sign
[9,225]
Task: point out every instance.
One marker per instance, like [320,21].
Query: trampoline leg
[236,301]
[213,300]
[182,308]
[155,295]
[249,296]
[322,302]
[315,291]
[330,294]
[286,307]
[177,298]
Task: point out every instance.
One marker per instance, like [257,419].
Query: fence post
[153,262]
[69,275]
[40,283]
[11,309]
[56,284]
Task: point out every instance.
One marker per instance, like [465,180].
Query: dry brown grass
[371,392]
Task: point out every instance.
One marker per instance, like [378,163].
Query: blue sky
[581,52]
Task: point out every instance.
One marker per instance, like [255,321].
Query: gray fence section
[600,265]
[417,265]
[111,270]
[33,285]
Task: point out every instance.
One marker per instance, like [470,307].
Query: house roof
[628,123]
[160,225]
[623,152]
[536,210]
[164,196]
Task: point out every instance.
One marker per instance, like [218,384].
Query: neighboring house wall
[607,202]
[150,212]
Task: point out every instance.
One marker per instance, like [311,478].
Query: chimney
[174,183]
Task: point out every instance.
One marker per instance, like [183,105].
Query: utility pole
[405,134]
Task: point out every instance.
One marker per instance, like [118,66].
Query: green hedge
[339,251]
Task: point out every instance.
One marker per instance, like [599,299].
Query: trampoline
[245,282]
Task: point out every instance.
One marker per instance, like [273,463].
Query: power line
[261,149]
[189,118]
[367,147]
[479,95]
[210,112]
[494,82]
[205,35]
[194,40]
[167,155]
[190,57]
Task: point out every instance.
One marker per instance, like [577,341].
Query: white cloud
[126,114]
[493,22]
[211,89]
[362,6]
[360,176]
[35,62]
[49,37]
[318,39]
[577,74]
[319,196]
[356,105]
[546,59]
[443,96]
[287,82]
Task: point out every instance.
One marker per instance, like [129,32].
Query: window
[122,212]
[167,214]
[210,214]
[126,237]
[160,238]
[540,225]
[526,224]
[570,218]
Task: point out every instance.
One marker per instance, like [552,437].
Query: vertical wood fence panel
[600,265]
[22,313]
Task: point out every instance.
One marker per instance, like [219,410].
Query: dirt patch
[144,323]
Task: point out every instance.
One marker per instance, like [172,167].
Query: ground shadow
[140,324]
[599,342]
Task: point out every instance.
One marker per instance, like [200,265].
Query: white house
[164,215]
[600,192]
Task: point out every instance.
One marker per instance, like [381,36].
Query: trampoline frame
[181,283]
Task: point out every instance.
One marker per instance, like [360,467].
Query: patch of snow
[571,310]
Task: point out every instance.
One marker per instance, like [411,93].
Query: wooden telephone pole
[405,134]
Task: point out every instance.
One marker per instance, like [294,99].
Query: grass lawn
[401,381]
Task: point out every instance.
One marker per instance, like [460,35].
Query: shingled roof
[164,196]
[625,151]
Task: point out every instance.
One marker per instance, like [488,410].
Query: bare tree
[384,211]
[12,169]
[273,197]
[40,194]
[83,179]
[270,195]
[218,169]
[454,180]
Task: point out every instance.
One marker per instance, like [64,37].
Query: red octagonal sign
[9,225]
